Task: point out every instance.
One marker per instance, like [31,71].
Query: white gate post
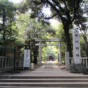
[39,61]
[60,61]
[67,60]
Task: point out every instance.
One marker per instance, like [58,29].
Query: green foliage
[48,50]
[31,28]
[65,10]
[57,26]
[6,48]
[24,6]
[60,34]
[78,68]
[59,30]
[81,23]
[82,46]
[7,9]
[7,13]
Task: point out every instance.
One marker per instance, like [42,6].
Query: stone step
[56,77]
[44,80]
[46,84]
[33,87]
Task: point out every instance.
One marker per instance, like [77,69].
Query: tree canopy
[27,20]
[65,11]
[7,16]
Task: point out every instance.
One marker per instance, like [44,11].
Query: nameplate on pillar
[77,54]
[77,47]
[76,41]
[76,35]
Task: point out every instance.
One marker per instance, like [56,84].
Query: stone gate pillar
[60,61]
[39,59]
[76,48]
[67,60]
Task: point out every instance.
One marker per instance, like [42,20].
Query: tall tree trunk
[87,51]
[68,40]
[31,50]
[35,54]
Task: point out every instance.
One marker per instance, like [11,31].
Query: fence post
[67,60]
[14,61]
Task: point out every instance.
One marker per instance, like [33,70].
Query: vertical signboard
[26,62]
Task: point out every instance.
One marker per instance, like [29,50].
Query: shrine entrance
[40,44]
[51,58]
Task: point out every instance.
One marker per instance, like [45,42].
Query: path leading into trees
[46,71]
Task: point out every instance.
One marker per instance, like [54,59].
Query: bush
[78,68]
